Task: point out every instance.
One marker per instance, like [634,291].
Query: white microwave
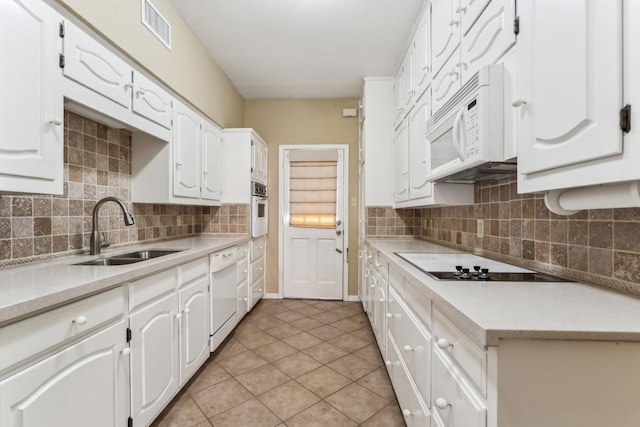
[466,136]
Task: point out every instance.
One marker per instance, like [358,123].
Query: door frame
[345,220]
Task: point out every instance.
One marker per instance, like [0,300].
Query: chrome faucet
[94,245]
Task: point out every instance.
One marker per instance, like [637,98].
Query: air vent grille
[155,22]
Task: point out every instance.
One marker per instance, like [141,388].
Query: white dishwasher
[224,278]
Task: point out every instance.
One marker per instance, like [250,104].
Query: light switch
[353,202]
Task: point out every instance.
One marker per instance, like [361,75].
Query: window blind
[313,190]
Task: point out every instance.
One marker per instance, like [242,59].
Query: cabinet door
[489,38]
[194,328]
[419,156]
[187,141]
[422,56]
[155,373]
[381,314]
[151,101]
[258,161]
[470,10]
[86,384]
[31,135]
[95,67]
[400,172]
[408,89]
[398,111]
[256,292]
[569,82]
[446,83]
[211,162]
[445,31]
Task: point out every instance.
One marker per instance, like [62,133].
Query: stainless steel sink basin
[130,258]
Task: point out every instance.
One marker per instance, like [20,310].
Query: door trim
[345,230]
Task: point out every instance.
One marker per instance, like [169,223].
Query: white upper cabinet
[570,84]
[422,56]
[445,31]
[211,161]
[400,166]
[187,141]
[446,83]
[259,157]
[31,134]
[407,85]
[419,156]
[151,101]
[397,99]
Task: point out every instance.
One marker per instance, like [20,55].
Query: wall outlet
[480,228]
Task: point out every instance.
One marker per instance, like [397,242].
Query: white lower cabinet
[194,327]
[258,268]
[155,371]
[85,384]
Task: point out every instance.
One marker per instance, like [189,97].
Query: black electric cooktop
[497,277]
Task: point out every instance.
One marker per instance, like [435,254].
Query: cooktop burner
[470,267]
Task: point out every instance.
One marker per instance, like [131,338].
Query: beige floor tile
[289,316]
[256,338]
[325,352]
[378,382]
[251,413]
[184,413]
[227,349]
[347,325]
[270,307]
[357,402]
[320,415]
[242,362]
[326,332]
[327,305]
[365,334]
[205,424]
[348,342]
[296,364]
[292,304]
[288,399]
[389,416]
[327,317]
[323,381]
[220,397]
[352,366]
[302,340]
[212,374]
[306,323]
[283,331]
[370,353]
[274,351]
[263,379]
[267,322]
[309,310]
[361,318]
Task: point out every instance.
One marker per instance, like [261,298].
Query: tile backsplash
[599,246]
[97,163]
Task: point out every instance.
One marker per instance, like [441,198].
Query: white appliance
[466,136]
[224,280]
[259,209]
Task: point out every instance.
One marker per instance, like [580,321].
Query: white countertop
[34,287]
[490,311]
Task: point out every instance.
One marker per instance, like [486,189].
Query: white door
[569,95]
[314,194]
[86,384]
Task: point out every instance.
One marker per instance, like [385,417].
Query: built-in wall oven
[259,209]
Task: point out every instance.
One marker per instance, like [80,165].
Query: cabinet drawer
[455,401]
[143,290]
[194,271]
[414,344]
[243,270]
[382,265]
[257,269]
[396,279]
[243,250]
[416,297]
[413,408]
[29,337]
[257,248]
[243,300]
[452,341]
[257,291]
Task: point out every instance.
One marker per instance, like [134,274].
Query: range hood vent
[491,171]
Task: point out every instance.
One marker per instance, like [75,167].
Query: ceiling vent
[156,23]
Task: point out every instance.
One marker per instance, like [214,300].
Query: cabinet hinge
[61,29]
[128,334]
[130,422]
[516,26]
[252,142]
[251,170]
[625,118]
[208,288]
[61,61]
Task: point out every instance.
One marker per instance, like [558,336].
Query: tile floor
[291,363]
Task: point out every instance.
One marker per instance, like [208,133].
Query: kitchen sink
[130,258]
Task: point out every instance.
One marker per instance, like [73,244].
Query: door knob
[338,222]
[338,232]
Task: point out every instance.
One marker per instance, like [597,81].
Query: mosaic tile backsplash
[599,246]
[97,163]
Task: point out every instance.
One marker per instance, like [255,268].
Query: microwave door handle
[459,134]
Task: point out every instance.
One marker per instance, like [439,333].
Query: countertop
[490,311]
[31,288]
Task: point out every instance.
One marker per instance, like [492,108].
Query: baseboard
[271,296]
[352,298]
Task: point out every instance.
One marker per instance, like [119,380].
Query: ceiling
[302,48]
